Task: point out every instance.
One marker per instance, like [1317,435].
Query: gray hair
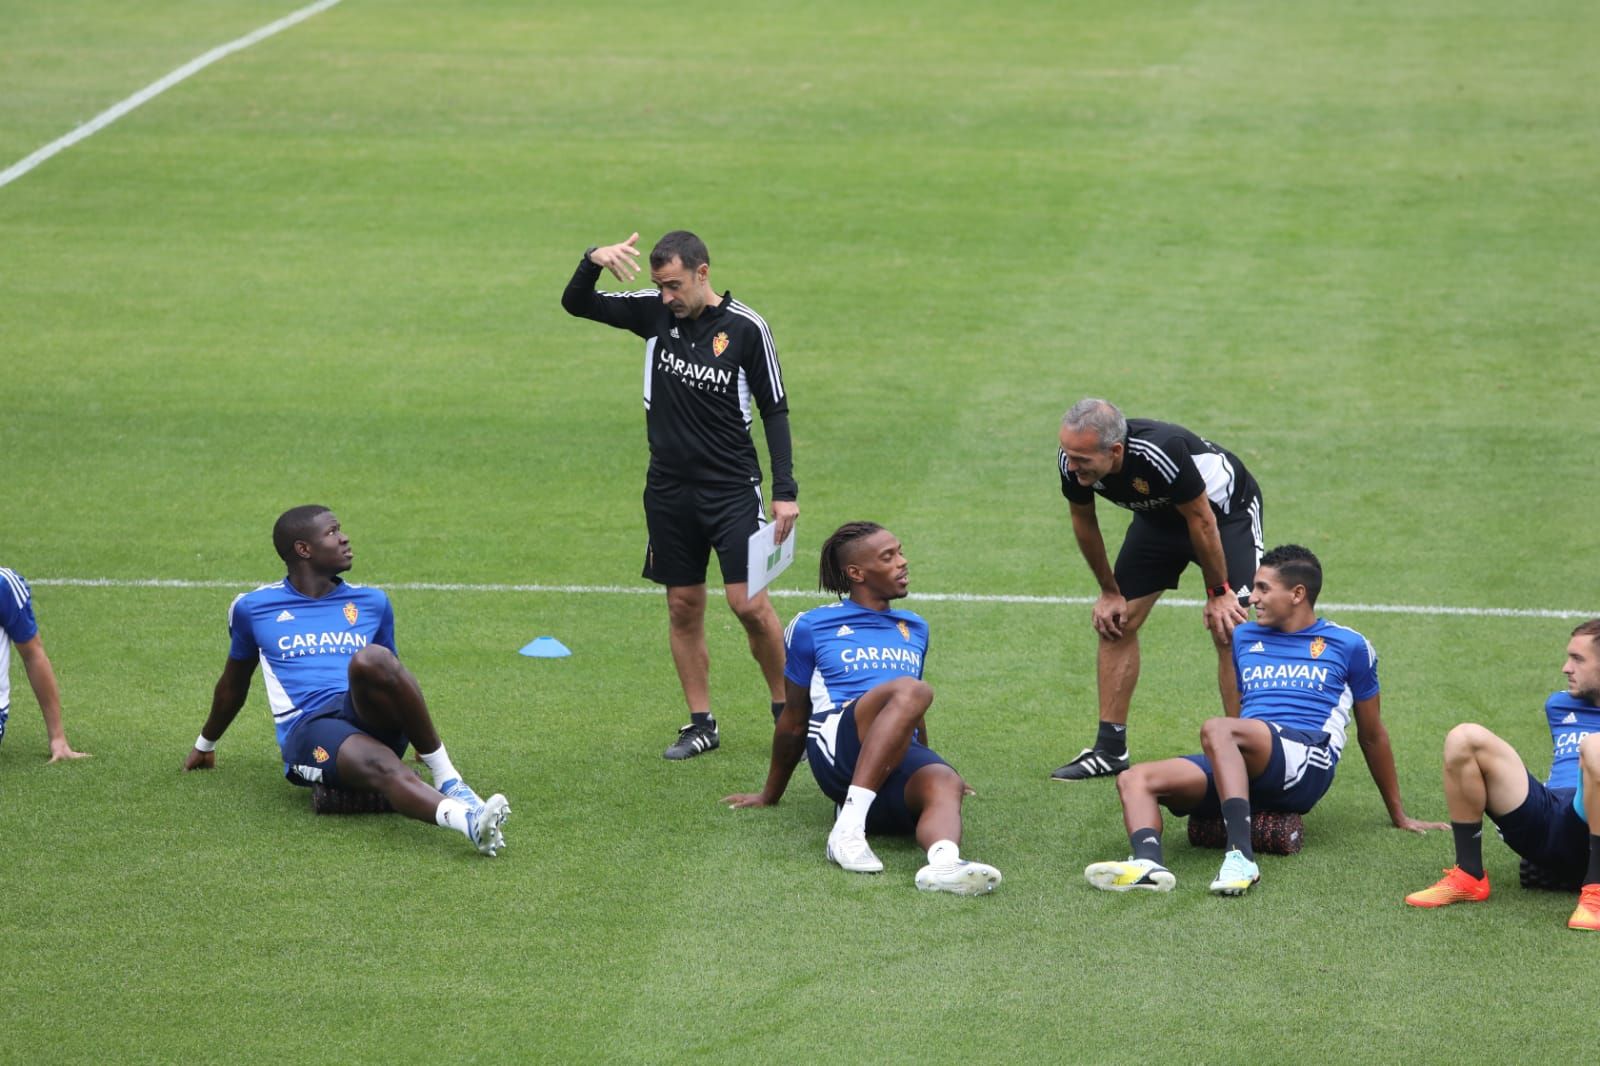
[1101,417]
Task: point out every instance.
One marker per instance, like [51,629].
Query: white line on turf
[1433,610]
[194,66]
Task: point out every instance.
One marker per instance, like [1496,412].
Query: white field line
[1432,610]
[194,66]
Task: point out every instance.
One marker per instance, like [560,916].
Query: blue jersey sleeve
[385,633]
[1363,664]
[800,660]
[241,636]
[16,607]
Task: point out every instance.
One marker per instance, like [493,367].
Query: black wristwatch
[1218,590]
[588,252]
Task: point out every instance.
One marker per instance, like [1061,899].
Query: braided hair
[830,574]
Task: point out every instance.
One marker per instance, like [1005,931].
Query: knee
[1214,732]
[374,666]
[1133,782]
[912,693]
[685,612]
[937,783]
[754,614]
[1464,741]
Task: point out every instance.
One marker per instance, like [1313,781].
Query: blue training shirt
[305,644]
[841,651]
[16,624]
[1309,680]
[1571,719]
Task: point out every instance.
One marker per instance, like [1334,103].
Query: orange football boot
[1587,916]
[1456,886]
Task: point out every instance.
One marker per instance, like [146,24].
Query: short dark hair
[297,523]
[1590,629]
[1297,566]
[682,245]
[830,573]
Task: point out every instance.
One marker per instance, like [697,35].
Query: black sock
[1146,845]
[700,719]
[777,709]
[1469,846]
[1112,739]
[1593,876]
[1236,816]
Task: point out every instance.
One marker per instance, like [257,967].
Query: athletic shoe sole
[1105,876]
[968,879]
[487,822]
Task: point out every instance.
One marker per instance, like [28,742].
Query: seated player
[343,706]
[1544,823]
[19,627]
[856,707]
[1299,679]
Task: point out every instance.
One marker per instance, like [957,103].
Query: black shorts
[686,521]
[1547,831]
[311,750]
[833,744]
[1153,556]
[1298,774]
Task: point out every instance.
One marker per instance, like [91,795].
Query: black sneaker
[1091,762]
[693,740]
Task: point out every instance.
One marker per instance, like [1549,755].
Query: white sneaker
[1127,876]
[851,852]
[965,878]
[485,823]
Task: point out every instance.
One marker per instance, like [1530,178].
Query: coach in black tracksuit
[1192,502]
[707,357]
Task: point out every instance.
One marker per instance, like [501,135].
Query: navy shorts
[1547,832]
[687,521]
[1298,772]
[1153,556]
[832,746]
[311,750]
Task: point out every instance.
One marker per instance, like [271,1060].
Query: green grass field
[1355,244]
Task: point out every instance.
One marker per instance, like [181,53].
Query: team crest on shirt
[319,753]
[905,630]
[1316,647]
[1142,486]
[719,343]
[350,613]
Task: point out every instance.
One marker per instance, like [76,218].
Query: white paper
[767,559]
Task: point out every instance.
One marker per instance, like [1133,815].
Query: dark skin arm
[229,696]
[788,748]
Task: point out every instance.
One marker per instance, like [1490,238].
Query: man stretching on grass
[1544,823]
[343,706]
[854,670]
[1299,679]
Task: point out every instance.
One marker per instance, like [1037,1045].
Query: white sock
[440,766]
[452,814]
[853,814]
[944,853]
